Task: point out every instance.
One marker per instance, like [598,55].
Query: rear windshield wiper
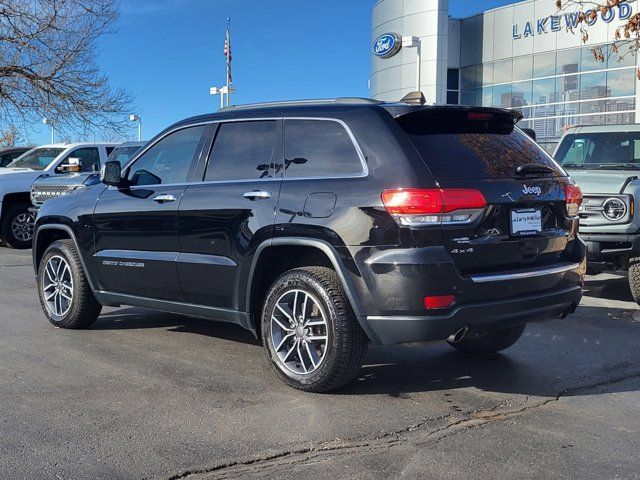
[530,168]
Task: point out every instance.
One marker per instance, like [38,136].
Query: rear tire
[17,226]
[65,295]
[634,278]
[490,342]
[309,331]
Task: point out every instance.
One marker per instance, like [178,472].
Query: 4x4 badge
[531,190]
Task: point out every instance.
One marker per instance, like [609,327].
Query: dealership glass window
[453,86]
[568,88]
[589,62]
[621,82]
[544,64]
[544,91]
[453,79]
[486,73]
[468,78]
[487,96]
[624,57]
[593,85]
[523,68]
[319,148]
[468,97]
[243,151]
[168,160]
[502,96]
[502,71]
[521,94]
[568,61]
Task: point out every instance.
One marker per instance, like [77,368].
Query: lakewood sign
[569,21]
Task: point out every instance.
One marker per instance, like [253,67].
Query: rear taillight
[438,301]
[434,206]
[573,199]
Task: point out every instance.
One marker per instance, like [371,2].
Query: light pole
[414,42]
[48,121]
[137,118]
[222,91]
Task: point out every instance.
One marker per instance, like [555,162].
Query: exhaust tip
[458,335]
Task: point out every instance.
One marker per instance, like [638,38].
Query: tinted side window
[89,157]
[319,148]
[243,151]
[167,161]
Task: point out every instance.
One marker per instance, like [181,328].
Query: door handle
[164,198]
[257,195]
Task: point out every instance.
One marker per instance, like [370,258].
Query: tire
[83,309]
[327,363]
[490,342]
[634,278]
[17,226]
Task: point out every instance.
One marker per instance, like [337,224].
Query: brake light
[573,199]
[438,301]
[416,206]
[479,116]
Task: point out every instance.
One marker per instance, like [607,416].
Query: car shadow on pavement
[608,287]
[550,358]
[138,318]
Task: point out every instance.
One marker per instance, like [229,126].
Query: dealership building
[526,56]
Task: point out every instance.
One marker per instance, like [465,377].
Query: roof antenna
[414,98]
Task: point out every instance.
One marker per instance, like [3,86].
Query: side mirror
[111,174]
[71,165]
[530,132]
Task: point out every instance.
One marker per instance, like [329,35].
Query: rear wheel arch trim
[336,262]
[72,235]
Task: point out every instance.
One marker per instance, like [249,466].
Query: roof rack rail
[319,101]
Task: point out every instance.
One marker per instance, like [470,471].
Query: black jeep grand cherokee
[321,226]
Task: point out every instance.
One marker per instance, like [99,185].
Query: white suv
[16,222]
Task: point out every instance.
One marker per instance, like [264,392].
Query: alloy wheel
[299,332]
[22,227]
[57,286]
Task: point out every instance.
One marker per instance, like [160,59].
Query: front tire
[17,226]
[490,342]
[65,295]
[634,278]
[309,331]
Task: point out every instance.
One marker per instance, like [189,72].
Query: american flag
[227,51]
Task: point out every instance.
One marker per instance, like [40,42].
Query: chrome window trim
[361,156]
[159,139]
[354,142]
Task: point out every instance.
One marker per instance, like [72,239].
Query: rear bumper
[484,316]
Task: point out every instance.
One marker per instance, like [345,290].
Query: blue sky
[167,53]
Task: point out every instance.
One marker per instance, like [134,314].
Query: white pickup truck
[16,222]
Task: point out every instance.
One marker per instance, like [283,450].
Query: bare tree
[626,39]
[48,67]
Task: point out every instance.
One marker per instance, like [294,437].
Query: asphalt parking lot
[152,395]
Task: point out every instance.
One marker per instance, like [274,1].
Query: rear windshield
[463,144]
[600,151]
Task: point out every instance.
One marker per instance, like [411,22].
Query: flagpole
[228,58]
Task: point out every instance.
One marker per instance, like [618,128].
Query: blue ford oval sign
[387,45]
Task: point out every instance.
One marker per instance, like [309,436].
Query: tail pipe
[457,335]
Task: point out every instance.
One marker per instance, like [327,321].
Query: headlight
[614,209]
